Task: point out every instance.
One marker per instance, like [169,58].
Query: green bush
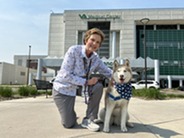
[175,95]
[23,91]
[6,92]
[50,93]
[149,94]
[27,91]
[32,91]
[1,90]
[43,92]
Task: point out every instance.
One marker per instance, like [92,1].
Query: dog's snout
[121,76]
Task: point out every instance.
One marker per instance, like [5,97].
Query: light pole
[144,21]
[28,64]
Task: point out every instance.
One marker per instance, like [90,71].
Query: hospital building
[125,34]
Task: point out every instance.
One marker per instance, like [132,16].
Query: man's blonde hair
[91,32]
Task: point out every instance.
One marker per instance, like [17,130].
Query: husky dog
[117,96]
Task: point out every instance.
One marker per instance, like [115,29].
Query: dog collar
[125,91]
[113,97]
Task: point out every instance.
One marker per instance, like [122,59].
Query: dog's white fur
[116,112]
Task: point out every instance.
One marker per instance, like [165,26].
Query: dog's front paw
[106,130]
[124,129]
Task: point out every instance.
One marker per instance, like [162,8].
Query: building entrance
[105,27]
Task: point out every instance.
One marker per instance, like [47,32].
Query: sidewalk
[39,118]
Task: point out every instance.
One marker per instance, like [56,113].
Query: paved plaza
[38,118]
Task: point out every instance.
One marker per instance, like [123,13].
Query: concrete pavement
[39,118]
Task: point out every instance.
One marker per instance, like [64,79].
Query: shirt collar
[84,53]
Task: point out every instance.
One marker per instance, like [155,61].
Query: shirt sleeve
[66,73]
[103,69]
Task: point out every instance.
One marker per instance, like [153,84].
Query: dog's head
[122,73]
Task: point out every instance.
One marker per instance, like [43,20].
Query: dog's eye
[125,71]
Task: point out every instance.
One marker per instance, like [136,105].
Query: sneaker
[98,121]
[87,123]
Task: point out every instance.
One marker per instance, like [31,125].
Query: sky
[25,23]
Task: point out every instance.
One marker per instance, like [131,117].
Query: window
[20,62]
[22,73]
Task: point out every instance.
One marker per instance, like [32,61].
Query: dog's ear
[116,64]
[127,63]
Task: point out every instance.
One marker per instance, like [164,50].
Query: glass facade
[166,44]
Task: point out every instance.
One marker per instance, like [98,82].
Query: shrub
[43,92]
[175,95]
[27,91]
[50,93]
[32,91]
[149,93]
[23,91]
[1,90]
[6,92]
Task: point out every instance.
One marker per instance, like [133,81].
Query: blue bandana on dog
[124,90]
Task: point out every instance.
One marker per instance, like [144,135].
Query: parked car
[141,84]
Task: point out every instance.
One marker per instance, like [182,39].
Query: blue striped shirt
[72,71]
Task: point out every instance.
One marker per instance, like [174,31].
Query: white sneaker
[87,123]
[98,121]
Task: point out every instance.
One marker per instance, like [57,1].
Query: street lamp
[144,21]
[28,64]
